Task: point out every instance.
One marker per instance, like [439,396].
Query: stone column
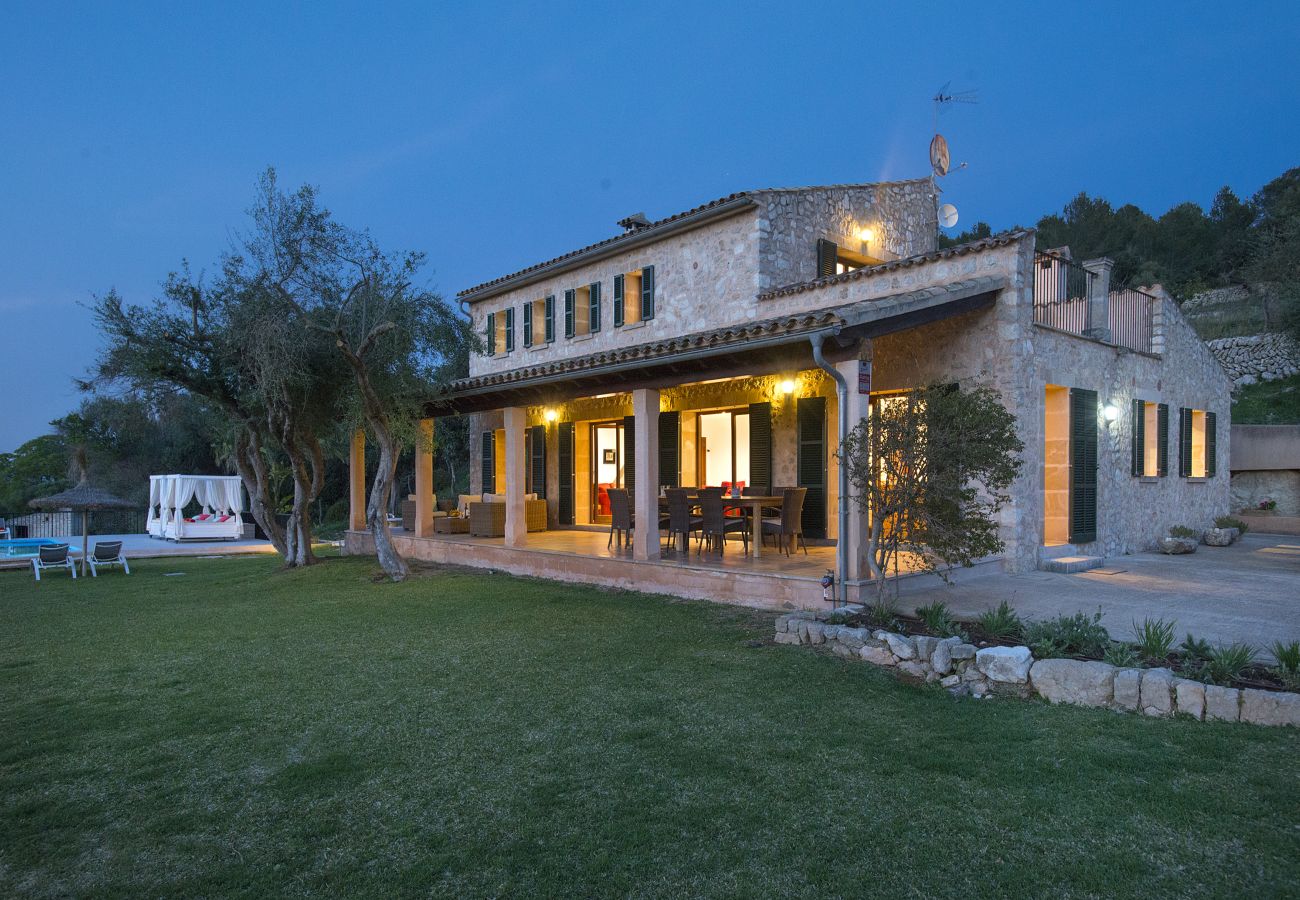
[1099,298]
[854,544]
[357,482]
[516,418]
[424,479]
[645,503]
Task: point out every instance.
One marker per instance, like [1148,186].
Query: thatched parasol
[84,497]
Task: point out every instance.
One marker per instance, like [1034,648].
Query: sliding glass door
[723,444]
[607,456]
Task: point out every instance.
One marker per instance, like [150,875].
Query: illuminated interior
[1199,468]
[1151,438]
[1056,466]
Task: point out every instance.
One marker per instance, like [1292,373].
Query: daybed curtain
[235,496]
[182,493]
[155,497]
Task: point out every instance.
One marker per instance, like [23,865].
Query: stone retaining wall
[1257,357]
[967,670]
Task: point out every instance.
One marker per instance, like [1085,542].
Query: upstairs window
[539,322]
[634,296]
[582,310]
[501,332]
[833,259]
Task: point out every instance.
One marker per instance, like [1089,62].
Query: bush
[1155,638]
[1079,634]
[1002,623]
[1288,656]
[337,511]
[1196,649]
[938,620]
[1226,664]
[1182,531]
[1231,522]
[1121,655]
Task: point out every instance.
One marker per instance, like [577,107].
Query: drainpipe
[842,396]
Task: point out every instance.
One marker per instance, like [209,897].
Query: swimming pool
[26,548]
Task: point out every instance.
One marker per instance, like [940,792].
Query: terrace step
[1068,565]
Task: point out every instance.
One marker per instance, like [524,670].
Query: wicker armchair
[489,519]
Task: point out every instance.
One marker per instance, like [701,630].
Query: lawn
[238,731]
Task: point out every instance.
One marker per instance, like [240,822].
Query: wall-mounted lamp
[551,415]
[866,235]
[787,386]
[1110,412]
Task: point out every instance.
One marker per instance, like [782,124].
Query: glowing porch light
[787,386]
[1110,412]
[551,415]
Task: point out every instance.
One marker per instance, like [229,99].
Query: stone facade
[1257,357]
[979,672]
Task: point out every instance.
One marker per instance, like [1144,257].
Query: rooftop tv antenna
[945,97]
[940,158]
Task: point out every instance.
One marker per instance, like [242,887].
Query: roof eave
[619,244]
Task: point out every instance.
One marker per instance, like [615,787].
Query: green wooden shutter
[492,334]
[629,454]
[670,427]
[569,329]
[1162,439]
[828,254]
[537,457]
[528,324]
[647,293]
[1139,438]
[1083,466]
[510,328]
[1184,442]
[1211,445]
[550,318]
[564,450]
[489,463]
[810,415]
[594,294]
[618,300]
[760,445]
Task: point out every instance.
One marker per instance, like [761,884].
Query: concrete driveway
[1248,592]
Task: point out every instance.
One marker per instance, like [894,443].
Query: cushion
[530,496]
[465,500]
[203,518]
[224,518]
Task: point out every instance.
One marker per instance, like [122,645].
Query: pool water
[24,548]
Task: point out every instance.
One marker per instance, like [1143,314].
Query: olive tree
[931,468]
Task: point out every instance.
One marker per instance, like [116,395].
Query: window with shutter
[670,427]
[647,293]
[1211,445]
[827,254]
[564,459]
[810,413]
[537,461]
[1184,442]
[618,300]
[510,328]
[489,463]
[1139,443]
[1162,439]
[1083,466]
[549,313]
[760,445]
[568,314]
[528,324]
[629,454]
[593,298]
[492,334]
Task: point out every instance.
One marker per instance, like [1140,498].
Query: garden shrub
[1155,637]
[1231,522]
[1002,623]
[1079,634]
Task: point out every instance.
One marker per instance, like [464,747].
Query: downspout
[842,397]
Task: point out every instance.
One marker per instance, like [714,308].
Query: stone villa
[734,343]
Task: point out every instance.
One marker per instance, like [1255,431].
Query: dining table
[751,504]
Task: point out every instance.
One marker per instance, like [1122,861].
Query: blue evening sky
[493,136]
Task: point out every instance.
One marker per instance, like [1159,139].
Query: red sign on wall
[864,376]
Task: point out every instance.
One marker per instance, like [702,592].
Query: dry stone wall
[1258,357]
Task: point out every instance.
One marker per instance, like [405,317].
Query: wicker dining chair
[620,517]
[715,524]
[680,519]
[788,527]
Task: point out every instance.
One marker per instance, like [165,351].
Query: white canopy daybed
[220,496]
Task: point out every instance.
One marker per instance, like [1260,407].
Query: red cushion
[203,518]
[191,521]
[223,518]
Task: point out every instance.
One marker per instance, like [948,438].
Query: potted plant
[1267,506]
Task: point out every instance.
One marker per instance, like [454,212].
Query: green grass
[1268,403]
[238,731]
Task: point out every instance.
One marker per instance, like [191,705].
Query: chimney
[634,222]
[1098,298]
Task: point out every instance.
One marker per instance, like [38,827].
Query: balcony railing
[1061,289]
[1130,318]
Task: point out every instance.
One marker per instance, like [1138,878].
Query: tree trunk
[377,508]
[306,486]
[252,469]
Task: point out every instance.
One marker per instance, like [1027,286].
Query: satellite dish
[948,215]
[939,159]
